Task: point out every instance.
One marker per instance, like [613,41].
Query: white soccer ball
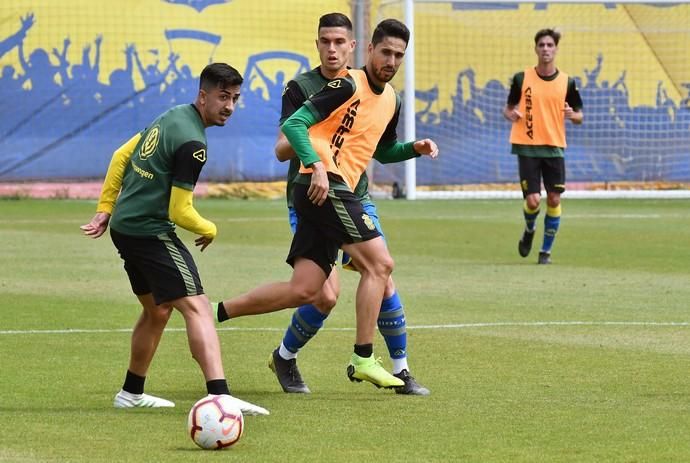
[215,422]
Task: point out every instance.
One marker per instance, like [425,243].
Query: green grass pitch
[585,360]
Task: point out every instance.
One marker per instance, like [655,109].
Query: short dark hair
[219,75]
[335,20]
[390,28]
[553,33]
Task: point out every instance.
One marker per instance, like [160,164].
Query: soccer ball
[215,422]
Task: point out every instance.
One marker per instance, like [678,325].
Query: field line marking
[411,327]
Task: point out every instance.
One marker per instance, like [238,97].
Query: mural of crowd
[62,119]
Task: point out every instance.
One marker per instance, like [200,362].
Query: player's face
[385,58]
[335,45]
[546,49]
[217,105]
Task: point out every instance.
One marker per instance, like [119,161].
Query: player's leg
[147,331]
[342,220]
[308,277]
[392,325]
[306,322]
[205,348]
[375,266]
[177,282]
[554,182]
[146,336]
[530,183]
[303,287]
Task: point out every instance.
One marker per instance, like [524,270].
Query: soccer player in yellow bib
[541,99]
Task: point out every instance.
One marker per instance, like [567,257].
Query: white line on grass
[413,327]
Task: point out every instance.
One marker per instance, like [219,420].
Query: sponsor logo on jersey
[335,83]
[142,173]
[338,138]
[148,147]
[200,155]
[368,222]
[528,113]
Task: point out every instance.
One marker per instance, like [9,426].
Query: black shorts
[321,230]
[160,265]
[533,170]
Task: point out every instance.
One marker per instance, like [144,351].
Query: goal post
[628,58]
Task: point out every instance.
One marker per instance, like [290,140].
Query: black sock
[134,384]
[364,350]
[222,314]
[217,387]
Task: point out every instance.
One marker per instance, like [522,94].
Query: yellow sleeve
[181,212]
[113,178]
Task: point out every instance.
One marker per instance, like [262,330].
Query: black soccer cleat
[287,373]
[525,243]
[411,387]
[544,258]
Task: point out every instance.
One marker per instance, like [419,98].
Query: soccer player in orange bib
[541,99]
[335,44]
[335,134]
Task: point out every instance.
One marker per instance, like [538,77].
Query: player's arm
[510,111]
[283,149]
[317,108]
[292,100]
[111,188]
[189,160]
[389,149]
[573,103]
[181,211]
[296,130]
[113,178]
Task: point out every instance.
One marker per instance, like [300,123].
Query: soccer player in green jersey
[148,190]
[541,99]
[335,45]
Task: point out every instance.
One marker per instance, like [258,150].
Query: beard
[385,74]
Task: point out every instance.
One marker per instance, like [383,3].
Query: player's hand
[426,147]
[573,116]
[203,242]
[513,115]
[97,226]
[318,189]
[568,111]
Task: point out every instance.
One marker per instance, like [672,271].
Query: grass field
[585,360]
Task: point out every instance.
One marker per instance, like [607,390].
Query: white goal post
[628,58]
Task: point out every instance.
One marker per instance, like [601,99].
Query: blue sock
[392,326]
[306,322]
[552,220]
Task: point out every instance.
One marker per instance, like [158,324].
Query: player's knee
[305,293]
[326,302]
[553,200]
[384,266]
[533,201]
[159,314]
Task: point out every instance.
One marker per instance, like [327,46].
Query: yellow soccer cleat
[371,370]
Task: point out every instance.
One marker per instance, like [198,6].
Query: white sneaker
[125,399]
[249,408]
